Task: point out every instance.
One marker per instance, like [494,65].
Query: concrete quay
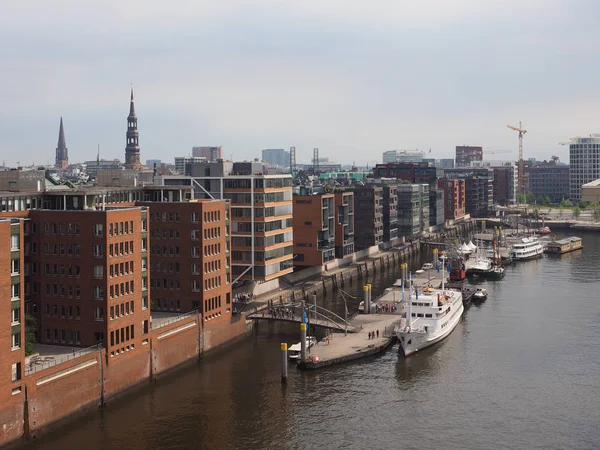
[340,349]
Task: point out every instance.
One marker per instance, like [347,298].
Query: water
[520,371]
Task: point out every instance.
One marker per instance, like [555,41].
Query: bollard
[284,367]
[370,298]
[365,299]
[303,343]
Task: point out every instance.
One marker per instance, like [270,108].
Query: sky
[352,78]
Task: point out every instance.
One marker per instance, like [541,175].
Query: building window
[15,266]
[16,371]
[98,250]
[16,316]
[98,313]
[98,292]
[16,340]
[98,271]
[15,291]
[14,242]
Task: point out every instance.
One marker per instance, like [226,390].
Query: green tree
[576,211]
[520,199]
[596,214]
[548,200]
[594,205]
[529,198]
[30,340]
[566,204]
[582,204]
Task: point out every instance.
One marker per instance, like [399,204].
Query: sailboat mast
[409,314]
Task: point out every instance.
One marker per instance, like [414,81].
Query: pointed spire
[61,137]
[131,105]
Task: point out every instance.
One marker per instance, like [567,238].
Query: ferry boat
[526,248]
[294,350]
[565,245]
[431,315]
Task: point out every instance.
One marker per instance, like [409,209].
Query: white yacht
[431,315]
[526,248]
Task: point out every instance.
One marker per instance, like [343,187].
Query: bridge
[292,312]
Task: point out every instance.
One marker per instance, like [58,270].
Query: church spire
[132,150]
[62,153]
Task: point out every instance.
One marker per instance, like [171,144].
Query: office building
[584,163]
[390,211]
[436,207]
[211,154]
[466,154]
[277,157]
[182,163]
[413,209]
[420,173]
[314,225]
[548,180]
[479,188]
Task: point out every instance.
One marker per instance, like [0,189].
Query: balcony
[326,245]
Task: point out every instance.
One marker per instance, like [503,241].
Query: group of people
[372,334]
[385,308]
[243,297]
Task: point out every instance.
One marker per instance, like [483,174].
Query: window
[16,316]
[144,302]
[16,340]
[194,217]
[98,292]
[15,291]
[98,271]
[98,313]
[14,241]
[15,266]
[16,371]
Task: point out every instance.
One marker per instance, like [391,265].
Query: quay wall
[51,397]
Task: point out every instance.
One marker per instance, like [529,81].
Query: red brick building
[454,198]
[190,269]
[314,229]
[12,319]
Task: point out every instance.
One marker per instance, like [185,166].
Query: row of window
[165,284]
[165,250]
[117,270]
[63,311]
[122,335]
[166,267]
[212,303]
[122,310]
[165,233]
[59,249]
[63,336]
[122,248]
[167,305]
[71,229]
[116,290]
[62,270]
[55,290]
[115,229]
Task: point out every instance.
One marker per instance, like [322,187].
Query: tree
[596,214]
[521,199]
[30,340]
[582,204]
[595,205]
[529,198]
[576,211]
[566,204]
[548,200]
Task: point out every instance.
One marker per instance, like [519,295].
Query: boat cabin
[565,245]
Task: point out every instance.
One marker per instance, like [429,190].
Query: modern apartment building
[368,216]
[454,198]
[436,207]
[190,268]
[466,154]
[479,188]
[12,316]
[584,163]
[314,225]
[261,214]
[548,180]
[89,279]
[344,224]
[506,176]
[390,211]
[413,209]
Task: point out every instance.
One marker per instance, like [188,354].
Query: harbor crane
[521,162]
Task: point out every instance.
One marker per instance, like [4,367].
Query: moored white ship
[526,248]
[431,315]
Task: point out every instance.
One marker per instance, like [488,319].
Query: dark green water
[520,371]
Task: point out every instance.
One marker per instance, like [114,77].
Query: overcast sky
[353,78]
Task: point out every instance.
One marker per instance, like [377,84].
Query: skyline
[272,75]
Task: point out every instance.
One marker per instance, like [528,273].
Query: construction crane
[493,152]
[521,163]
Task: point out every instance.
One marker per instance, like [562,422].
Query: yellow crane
[521,163]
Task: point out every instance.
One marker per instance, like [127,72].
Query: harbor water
[520,371]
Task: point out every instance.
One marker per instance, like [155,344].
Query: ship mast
[443,270]
[409,314]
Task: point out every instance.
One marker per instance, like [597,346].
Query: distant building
[150,162]
[436,207]
[314,225]
[92,167]
[590,192]
[506,176]
[321,167]
[132,150]
[181,162]
[344,224]
[466,154]
[62,153]
[413,209]
[390,156]
[549,180]
[390,212]
[420,173]
[403,156]
[584,157]
[212,154]
[276,157]
[444,163]
[368,216]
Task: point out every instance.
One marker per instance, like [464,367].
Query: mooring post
[314,299]
[367,305]
[284,368]
[303,341]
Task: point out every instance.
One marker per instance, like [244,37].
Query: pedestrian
[377,334]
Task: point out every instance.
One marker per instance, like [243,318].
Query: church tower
[132,151]
[62,153]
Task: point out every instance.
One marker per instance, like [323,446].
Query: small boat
[497,273]
[294,350]
[480,295]
[544,230]
[565,245]
[427,266]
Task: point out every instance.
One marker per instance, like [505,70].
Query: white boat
[427,266]
[481,266]
[294,350]
[430,317]
[526,248]
[480,295]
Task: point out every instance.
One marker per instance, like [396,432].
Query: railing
[38,363]
[177,318]
[293,312]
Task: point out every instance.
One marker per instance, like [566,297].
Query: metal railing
[39,363]
[177,318]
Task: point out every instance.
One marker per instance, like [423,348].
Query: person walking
[377,334]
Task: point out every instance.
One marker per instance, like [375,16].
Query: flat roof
[594,183]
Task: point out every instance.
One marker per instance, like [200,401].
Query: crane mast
[521,163]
